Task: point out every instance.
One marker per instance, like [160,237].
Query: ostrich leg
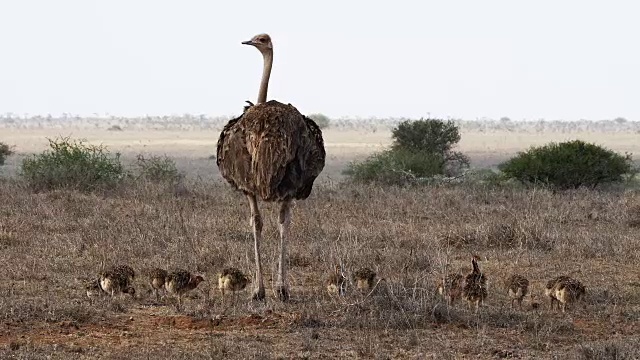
[256,224]
[284,221]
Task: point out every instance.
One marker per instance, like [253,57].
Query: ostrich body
[157,278]
[179,282]
[93,288]
[364,279]
[232,279]
[517,288]
[563,290]
[475,285]
[337,282]
[274,153]
[451,287]
[118,279]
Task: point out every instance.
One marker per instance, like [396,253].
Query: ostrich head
[261,41]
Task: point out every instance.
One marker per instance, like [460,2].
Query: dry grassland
[50,242]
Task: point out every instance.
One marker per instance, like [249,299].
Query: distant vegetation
[5,151]
[421,149]
[322,120]
[204,122]
[568,165]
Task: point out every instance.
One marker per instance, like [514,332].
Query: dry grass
[50,241]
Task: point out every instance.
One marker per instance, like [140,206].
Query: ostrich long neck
[266,72]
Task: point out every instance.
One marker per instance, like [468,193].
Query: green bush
[158,169]
[568,165]
[321,120]
[5,151]
[395,167]
[420,149]
[73,165]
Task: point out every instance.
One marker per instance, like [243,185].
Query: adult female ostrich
[274,153]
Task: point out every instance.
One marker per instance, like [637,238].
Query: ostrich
[232,279]
[563,290]
[364,279]
[117,279]
[274,153]
[157,277]
[450,287]
[474,289]
[517,288]
[337,282]
[180,282]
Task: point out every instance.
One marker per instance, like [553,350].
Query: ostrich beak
[249,42]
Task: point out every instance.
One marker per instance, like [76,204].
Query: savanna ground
[51,241]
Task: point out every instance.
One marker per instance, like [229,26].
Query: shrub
[420,149]
[568,165]
[430,135]
[73,165]
[321,120]
[395,167]
[158,169]
[5,151]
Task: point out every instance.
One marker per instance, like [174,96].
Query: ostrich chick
[475,285]
[451,287]
[364,279]
[517,288]
[117,279]
[549,289]
[125,271]
[336,282]
[157,278]
[179,282]
[232,279]
[93,289]
[564,290]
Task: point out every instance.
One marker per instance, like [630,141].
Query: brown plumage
[274,153]
[451,287]
[474,290]
[156,277]
[517,288]
[117,279]
[364,278]
[563,290]
[336,282]
[179,282]
[126,270]
[232,279]
[549,289]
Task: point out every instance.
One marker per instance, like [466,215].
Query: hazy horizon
[570,60]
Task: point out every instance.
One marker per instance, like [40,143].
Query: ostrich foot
[282,292]
[258,294]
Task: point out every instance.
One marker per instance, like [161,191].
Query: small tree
[432,138]
[420,149]
[431,135]
[5,151]
[568,165]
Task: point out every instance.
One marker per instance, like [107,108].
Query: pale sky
[568,59]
